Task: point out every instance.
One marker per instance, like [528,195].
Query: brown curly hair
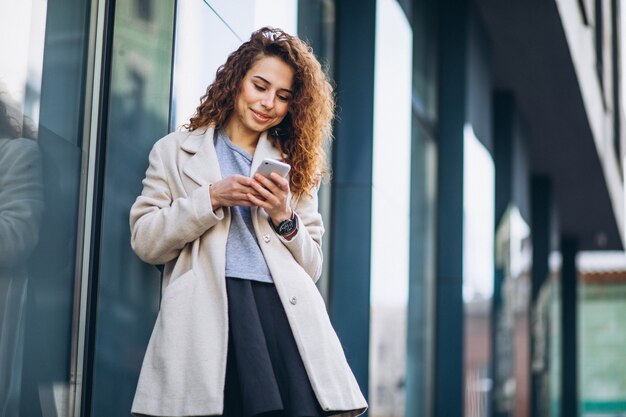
[303,133]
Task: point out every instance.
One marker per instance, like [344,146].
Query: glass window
[390,211]
[137,116]
[601,312]
[511,315]
[421,320]
[478,267]
[547,330]
[316,25]
[425,61]
[42,102]
[424,154]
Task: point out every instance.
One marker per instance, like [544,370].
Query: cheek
[245,96]
[282,110]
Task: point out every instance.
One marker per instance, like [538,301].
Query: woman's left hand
[275,193]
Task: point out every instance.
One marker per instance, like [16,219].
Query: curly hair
[302,135]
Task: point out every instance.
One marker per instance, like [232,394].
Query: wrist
[215,204]
[279,218]
[287,227]
[291,234]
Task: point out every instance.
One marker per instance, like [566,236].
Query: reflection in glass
[138,113]
[425,60]
[21,207]
[602,308]
[316,25]
[390,211]
[42,73]
[511,319]
[478,267]
[421,322]
[546,328]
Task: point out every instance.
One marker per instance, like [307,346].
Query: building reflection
[21,208]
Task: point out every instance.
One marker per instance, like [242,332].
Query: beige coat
[173,223]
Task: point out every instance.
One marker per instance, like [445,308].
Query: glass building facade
[445,275]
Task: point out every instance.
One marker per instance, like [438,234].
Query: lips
[260,117]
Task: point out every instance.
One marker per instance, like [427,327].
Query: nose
[268,100]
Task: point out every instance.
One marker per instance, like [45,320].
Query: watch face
[286,227]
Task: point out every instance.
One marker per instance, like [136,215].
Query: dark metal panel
[449,385]
[352,184]
[350,275]
[503,119]
[503,125]
[569,324]
[541,227]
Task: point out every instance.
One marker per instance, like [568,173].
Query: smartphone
[271,165]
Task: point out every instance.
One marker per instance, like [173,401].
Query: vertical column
[448,371]
[504,110]
[541,208]
[352,184]
[569,323]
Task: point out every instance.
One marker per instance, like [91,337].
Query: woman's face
[266,92]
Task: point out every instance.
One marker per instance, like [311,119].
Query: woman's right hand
[232,191]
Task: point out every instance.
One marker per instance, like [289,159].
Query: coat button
[266,238]
[293,300]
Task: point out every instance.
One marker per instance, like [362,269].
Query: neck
[240,136]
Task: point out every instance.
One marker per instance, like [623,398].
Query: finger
[245,203]
[242,179]
[268,184]
[258,202]
[264,192]
[282,182]
[241,191]
[250,190]
[237,199]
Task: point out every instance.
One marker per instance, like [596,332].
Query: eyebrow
[267,82]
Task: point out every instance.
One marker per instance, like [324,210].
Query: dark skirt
[265,375]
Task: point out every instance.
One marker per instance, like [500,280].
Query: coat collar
[203,167]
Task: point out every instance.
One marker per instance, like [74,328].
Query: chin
[258,127]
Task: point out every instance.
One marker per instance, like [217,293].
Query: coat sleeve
[21,200]
[306,244]
[160,225]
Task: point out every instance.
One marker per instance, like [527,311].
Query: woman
[21,210]
[243,330]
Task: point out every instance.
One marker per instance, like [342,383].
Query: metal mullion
[93,88]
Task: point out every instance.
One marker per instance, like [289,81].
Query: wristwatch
[285,227]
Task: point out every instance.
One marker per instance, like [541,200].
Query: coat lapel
[264,149]
[203,167]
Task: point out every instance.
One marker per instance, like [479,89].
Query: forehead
[274,70]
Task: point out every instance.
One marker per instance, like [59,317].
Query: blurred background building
[475,219]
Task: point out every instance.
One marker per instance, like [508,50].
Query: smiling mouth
[260,117]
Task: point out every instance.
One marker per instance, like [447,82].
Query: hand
[233,191]
[274,193]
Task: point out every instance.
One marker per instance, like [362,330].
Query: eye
[284,98]
[259,87]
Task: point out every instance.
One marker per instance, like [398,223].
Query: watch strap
[286,227]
